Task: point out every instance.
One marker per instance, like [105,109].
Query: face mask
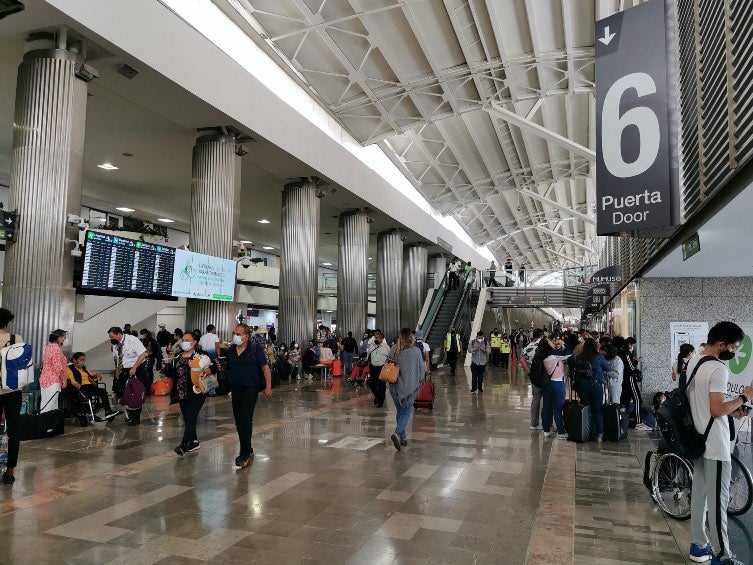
[80,364]
[726,355]
[479,339]
[186,346]
[237,340]
[114,341]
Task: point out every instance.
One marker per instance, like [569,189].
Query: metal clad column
[215,213]
[438,266]
[299,259]
[45,186]
[352,271]
[389,280]
[414,285]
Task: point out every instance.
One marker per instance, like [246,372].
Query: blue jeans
[592,394]
[554,400]
[347,359]
[403,413]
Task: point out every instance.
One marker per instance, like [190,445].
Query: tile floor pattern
[474,486]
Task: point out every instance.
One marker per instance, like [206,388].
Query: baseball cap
[419,334]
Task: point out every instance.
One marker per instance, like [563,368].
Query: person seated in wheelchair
[85,382]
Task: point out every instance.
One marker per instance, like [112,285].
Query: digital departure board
[121,266]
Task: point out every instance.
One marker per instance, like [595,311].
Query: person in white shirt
[711,473]
[129,354]
[210,342]
[453,278]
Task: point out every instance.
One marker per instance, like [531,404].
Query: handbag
[45,424]
[390,372]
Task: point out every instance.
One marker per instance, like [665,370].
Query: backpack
[675,420]
[538,375]
[134,394]
[583,371]
[16,364]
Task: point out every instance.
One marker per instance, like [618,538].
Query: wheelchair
[77,406]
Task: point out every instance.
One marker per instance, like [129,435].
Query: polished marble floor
[474,486]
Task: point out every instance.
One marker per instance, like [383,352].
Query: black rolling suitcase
[579,421]
[615,422]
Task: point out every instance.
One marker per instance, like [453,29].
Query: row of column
[45,186]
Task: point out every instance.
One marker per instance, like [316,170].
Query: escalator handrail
[431,314]
[465,296]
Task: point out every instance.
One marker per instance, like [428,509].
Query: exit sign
[690,246]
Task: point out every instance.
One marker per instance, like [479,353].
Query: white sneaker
[562,436]
[550,434]
[539,427]
[644,428]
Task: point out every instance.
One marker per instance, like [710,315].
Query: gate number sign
[633,183]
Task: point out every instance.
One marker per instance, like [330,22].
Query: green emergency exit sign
[690,246]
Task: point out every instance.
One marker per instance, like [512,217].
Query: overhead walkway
[558,289]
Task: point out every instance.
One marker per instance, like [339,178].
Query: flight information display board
[121,266]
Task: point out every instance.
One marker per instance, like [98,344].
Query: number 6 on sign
[613,126]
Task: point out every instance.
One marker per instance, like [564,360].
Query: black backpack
[538,375]
[675,420]
[583,371]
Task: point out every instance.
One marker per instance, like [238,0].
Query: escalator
[448,308]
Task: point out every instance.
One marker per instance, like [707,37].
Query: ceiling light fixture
[108,167]
[124,209]
[246,242]
[166,220]
[268,248]
[327,264]
[263,221]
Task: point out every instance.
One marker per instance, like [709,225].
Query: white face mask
[480,339]
[186,346]
[237,340]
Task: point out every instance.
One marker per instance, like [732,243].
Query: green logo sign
[740,362]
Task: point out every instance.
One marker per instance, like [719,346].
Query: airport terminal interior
[376,282]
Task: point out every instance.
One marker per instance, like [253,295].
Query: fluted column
[352,271]
[45,186]
[413,285]
[437,266]
[299,262]
[215,213]
[389,280]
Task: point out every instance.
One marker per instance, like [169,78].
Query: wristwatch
[745,398]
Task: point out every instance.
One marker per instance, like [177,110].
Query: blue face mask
[186,346]
[237,340]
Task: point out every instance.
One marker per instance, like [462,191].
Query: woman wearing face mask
[247,369]
[187,367]
[295,360]
[680,364]
[54,365]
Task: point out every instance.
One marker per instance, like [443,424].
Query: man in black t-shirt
[350,346]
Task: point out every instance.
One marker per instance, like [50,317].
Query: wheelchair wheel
[672,485]
[740,489]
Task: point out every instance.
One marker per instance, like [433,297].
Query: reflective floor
[474,485]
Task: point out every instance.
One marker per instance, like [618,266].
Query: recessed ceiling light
[267,247]
[327,264]
[108,167]
[166,220]
[245,241]
[124,209]
[263,221]
[369,258]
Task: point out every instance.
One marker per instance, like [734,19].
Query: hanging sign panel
[633,180]
[612,274]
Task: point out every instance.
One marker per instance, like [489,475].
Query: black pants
[452,361]
[190,408]
[477,376]
[11,405]
[92,391]
[244,402]
[378,388]
[495,357]
[505,359]
[454,281]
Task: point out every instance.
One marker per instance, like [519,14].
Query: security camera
[76,252]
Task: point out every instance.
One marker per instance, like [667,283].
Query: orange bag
[162,387]
[337,368]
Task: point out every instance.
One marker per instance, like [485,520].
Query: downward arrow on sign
[608,37]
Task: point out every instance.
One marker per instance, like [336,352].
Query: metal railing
[436,302]
[532,278]
[461,318]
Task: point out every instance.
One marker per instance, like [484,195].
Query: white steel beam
[558,206]
[565,238]
[523,123]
